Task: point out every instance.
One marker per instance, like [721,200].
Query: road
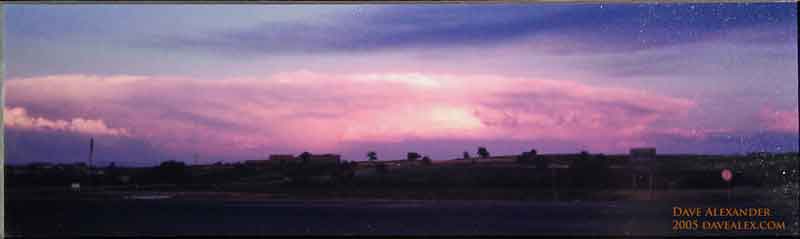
[347,217]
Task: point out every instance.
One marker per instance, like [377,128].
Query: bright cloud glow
[317,111]
[418,80]
[781,121]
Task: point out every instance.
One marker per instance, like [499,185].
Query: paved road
[207,217]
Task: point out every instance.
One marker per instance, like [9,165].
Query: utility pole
[91,155]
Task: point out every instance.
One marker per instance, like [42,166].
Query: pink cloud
[781,120]
[691,133]
[17,117]
[304,110]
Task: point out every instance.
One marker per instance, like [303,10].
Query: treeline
[529,169]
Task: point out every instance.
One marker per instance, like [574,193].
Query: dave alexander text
[721,212]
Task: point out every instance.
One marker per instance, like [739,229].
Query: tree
[541,163]
[466,155]
[372,156]
[526,157]
[412,156]
[584,155]
[305,157]
[426,160]
[172,164]
[483,152]
[299,172]
[172,171]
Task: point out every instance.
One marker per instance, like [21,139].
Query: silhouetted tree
[584,155]
[304,157]
[483,152]
[372,156]
[413,156]
[172,171]
[426,160]
[540,162]
[172,164]
[466,155]
[527,157]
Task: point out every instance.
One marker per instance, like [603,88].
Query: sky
[209,83]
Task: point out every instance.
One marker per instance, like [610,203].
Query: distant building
[499,159]
[643,153]
[40,165]
[400,163]
[288,159]
[256,162]
[261,163]
[274,160]
[325,159]
[281,157]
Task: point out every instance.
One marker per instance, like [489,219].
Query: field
[484,198]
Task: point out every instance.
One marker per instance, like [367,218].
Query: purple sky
[237,82]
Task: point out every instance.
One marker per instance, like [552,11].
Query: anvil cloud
[232,83]
[306,110]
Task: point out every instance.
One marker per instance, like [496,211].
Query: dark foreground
[356,217]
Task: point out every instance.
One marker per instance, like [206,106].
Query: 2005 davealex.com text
[685,225]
